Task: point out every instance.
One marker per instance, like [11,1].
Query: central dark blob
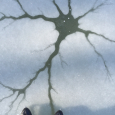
[66,24]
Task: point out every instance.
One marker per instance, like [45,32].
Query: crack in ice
[65,25]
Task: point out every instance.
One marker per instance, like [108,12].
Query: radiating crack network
[65,24]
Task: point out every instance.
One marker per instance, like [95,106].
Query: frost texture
[65,24]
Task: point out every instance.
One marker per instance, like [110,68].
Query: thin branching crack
[60,12]
[62,61]
[44,48]
[65,24]
[87,32]
[48,46]
[21,6]
[93,9]
[49,89]
[100,55]
[69,6]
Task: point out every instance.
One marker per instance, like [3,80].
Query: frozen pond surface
[57,55]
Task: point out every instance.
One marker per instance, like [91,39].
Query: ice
[79,82]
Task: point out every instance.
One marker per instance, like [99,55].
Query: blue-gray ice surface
[78,75]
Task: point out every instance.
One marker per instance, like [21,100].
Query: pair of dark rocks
[26,111]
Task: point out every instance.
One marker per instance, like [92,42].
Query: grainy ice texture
[56,55]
